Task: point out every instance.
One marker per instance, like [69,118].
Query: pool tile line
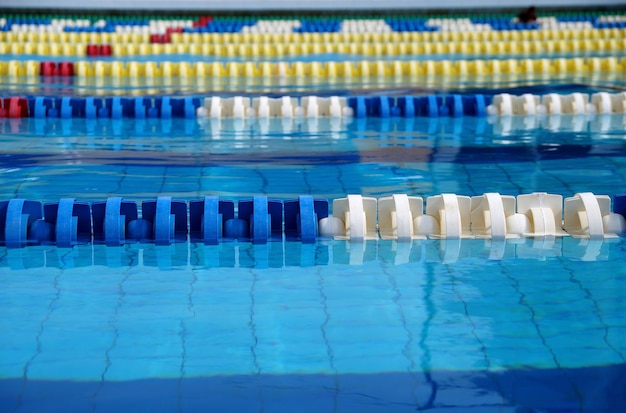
[483,348]
[323,330]
[596,307]
[192,290]
[425,359]
[406,351]
[121,177]
[468,178]
[534,320]
[264,181]
[340,178]
[38,338]
[116,334]
[509,178]
[183,338]
[201,177]
[306,180]
[615,167]
[183,360]
[163,179]
[557,178]
[255,340]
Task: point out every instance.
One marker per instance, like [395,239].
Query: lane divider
[91,107]
[316,69]
[91,50]
[211,220]
[264,107]
[14,107]
[34,36]
[241,107]
[277,49]
[285,107]
[555,104]
[299,24]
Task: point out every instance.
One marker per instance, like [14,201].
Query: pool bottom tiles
[369,328]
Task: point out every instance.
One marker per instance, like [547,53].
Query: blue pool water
[381,326]
[534,325]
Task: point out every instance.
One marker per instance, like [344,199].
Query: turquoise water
[539,83]
[140,159]
[380,326]
[528,326]
[534,325]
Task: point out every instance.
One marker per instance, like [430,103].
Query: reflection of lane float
[280,254]
[211,128]
[212,220]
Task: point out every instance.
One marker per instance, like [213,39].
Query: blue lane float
[430,106]
[207,218]
[111,220]
[69,222]
[167,107]
[302,218]
[261,220]
[166,220]
[17,218]
[264,217]
[112,107]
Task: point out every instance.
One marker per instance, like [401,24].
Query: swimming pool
[468,325]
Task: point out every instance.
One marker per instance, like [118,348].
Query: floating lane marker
[356,218]
[549,106]
[321,70]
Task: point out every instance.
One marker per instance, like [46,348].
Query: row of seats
[332,69]
[159,46]
[175,36]
[212,220]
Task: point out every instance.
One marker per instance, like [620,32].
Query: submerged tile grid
[163,323]
[104,324]
[372,157]
[336,181]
